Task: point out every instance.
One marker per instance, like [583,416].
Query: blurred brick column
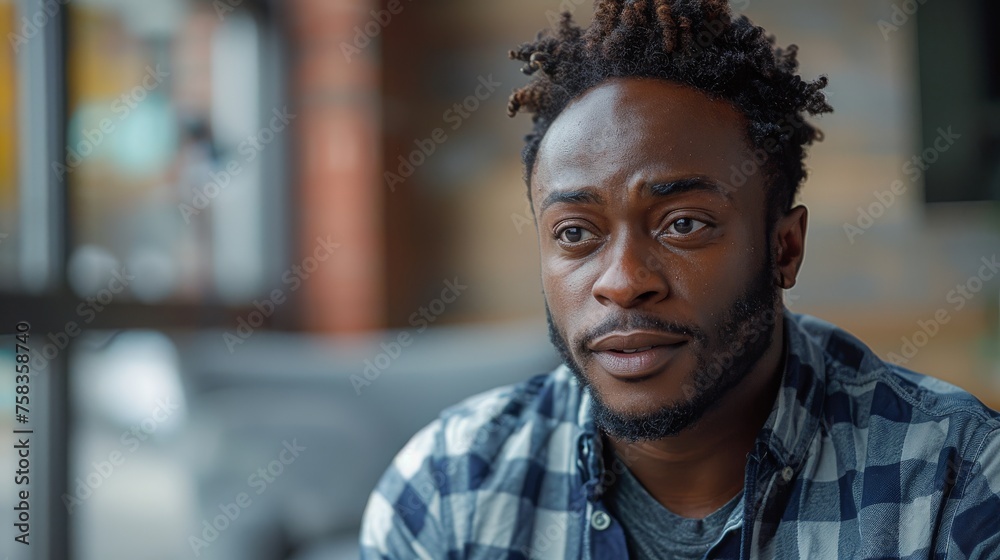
[336,160]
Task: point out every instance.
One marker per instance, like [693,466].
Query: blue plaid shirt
[858,459]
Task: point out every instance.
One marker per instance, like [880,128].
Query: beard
[723,359]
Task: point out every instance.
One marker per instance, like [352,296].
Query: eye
[685,226]
[574,235]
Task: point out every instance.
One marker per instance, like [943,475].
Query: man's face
[658,274]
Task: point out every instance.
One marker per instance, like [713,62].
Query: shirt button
[787,473]
[600,520]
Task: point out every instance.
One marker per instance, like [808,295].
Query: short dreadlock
[691,42]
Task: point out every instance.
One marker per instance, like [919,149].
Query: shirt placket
[604,536]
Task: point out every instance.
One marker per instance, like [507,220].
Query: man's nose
[633,275]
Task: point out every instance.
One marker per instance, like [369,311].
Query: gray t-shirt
[654,532]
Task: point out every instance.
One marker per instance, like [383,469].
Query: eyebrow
[689,184]
[658,190]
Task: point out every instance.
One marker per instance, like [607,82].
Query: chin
[643,398]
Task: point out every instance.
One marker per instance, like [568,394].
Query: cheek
[744,257]
[567,287]
[711,278]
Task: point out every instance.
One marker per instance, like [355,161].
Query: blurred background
[261,243]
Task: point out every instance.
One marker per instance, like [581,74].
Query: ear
[789,242]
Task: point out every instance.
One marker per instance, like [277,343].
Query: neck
[697,471]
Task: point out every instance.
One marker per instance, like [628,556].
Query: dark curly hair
[693,42]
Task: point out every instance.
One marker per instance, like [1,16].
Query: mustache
[634,322]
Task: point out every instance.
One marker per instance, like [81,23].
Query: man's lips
[636,355]
[635,340]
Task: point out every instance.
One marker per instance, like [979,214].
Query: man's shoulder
[867,391]
[908,439]
[482,428]
[476,464]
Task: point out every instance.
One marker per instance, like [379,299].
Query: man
[694,416]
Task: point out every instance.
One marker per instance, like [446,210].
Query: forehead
[628,127]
